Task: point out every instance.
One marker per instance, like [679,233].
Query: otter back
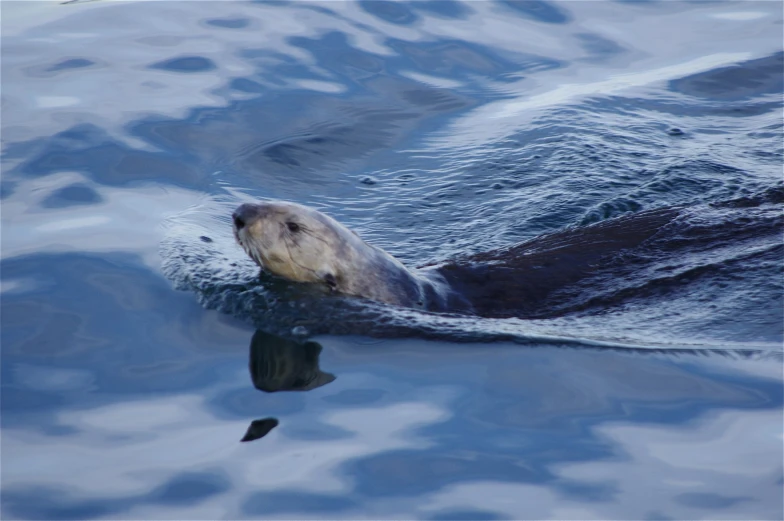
[541,277]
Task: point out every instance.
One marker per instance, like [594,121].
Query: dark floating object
[367,180]
[675,132]
[259,428]
[204,238]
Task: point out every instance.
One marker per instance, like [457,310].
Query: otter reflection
[280,364]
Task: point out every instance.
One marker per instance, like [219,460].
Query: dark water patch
[319,8]
[399,13]
[293,139]
[738,82]
[635,382]
[189,488]
[246,85]
[270,503]
[318,431]
[767,132]
[115,291]
[295,71]
[539,11]
[444,8]
[465,515]
[244,403]
[7,189]
[76,138]
[72,195]
[710,501]
[57,329]
[356,397]
[47,503]
[185,64]
[59,68]
[29,402]
[229,23]
[161,41]
[53,503]
[332,50]
[461,59]
[602,491]
[409,472]
[334,53]
[80,136]
[256,55]
[73,63]
[598,46]
[104,160]
[275,3]
[59,431]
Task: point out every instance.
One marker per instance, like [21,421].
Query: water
[433,129]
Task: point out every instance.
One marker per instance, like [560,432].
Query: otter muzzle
[246,214]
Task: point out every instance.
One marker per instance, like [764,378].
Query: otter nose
[245,214]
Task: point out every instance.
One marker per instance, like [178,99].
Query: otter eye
[293,227]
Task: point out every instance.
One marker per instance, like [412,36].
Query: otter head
[293,241]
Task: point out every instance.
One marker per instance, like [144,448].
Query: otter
[301,244]
[532,279]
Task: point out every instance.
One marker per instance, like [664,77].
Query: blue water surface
[139,347]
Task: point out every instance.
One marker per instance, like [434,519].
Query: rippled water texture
[140,345]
